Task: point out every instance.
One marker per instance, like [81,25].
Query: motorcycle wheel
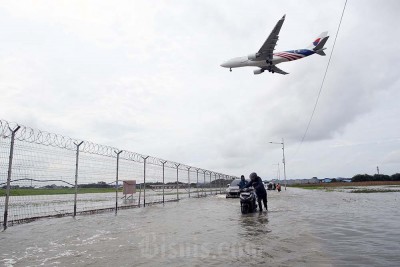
[254,207]
[245,208]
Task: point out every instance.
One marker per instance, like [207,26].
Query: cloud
[145,76]
[392,158]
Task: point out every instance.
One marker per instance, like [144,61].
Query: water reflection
[254,224]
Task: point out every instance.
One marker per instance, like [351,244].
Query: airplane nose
[224,64]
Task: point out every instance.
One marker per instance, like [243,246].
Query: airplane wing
[275,69]
[268,47]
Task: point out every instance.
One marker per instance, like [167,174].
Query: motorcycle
[247,201]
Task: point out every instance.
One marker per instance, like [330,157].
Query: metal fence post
[215,182]
[188,168]
[177,180]
[116,182]
[10,159]
[144,180]
[76,174]
[210,184]
[224,180]
[140,194]
[220,183]
[204,184]
[197,182]
[163,178]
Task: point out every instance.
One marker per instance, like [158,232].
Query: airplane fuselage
[277,58]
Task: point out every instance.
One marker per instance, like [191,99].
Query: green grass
[308,186]
[331,189]
[56,191]
[373,191]
[61,191]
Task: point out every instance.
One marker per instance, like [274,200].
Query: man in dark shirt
[258,186]
[242,182]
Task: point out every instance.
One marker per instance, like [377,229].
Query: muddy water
[301,228]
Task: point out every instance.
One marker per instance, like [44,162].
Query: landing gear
[230,69]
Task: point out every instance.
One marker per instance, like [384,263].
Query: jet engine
[253,56]
[258,71]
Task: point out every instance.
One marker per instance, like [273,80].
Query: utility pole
[283,159]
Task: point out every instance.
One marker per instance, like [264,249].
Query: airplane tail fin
[318,45]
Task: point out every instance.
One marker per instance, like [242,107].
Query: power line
[323,80]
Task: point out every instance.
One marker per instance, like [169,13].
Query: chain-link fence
[50,175]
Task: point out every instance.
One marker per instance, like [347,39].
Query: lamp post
[283,160]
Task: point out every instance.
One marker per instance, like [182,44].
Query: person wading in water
[258,186]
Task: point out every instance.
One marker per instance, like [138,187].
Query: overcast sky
[145,76]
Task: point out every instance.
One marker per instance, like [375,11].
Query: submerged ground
[301,228]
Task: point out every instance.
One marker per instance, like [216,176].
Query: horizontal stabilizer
[320,52]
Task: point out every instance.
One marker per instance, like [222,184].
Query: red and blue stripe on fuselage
[294,54]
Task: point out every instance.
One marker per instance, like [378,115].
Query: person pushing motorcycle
[258,186]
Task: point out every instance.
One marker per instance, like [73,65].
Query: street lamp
[283,160]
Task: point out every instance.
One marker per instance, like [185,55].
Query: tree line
[375,177]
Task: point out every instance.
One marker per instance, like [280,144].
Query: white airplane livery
[265,59]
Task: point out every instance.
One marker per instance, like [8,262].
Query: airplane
[265,59]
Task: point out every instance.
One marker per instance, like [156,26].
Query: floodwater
[301,228]
[25,207]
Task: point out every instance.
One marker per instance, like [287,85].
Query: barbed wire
[30,135]
[40,181]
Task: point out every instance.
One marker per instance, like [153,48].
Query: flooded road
[301,228]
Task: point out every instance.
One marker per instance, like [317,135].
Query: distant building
[345,180]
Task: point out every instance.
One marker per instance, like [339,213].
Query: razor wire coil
[35,136]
